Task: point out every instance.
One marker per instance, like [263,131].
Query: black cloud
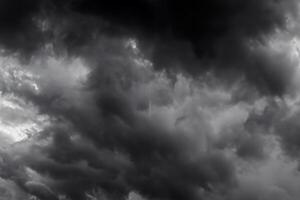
[102,134]
[190,35]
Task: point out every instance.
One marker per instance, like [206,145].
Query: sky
[149,100]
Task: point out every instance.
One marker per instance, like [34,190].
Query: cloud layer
[149,99]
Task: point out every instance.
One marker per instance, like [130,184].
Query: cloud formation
[149,100]
[227,36]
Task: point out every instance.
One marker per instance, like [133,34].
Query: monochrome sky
[149,100]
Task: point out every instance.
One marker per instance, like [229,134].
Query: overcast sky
[149,100]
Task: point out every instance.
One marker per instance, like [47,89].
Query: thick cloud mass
[228,36]
[164,100]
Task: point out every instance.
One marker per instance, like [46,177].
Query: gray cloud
[228,37]
[168,100]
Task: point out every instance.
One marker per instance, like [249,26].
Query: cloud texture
[162,100]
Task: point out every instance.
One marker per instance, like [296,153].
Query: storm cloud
[149,99]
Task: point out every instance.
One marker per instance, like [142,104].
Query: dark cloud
[118,121]
[251,147]
[108,141]
[17,22]
[288,131]
[226,36]
[279,119]
[229,37]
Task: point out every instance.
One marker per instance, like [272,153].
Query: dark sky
[149,99]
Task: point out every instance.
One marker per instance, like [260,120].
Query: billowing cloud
[227,36]
[149,100]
